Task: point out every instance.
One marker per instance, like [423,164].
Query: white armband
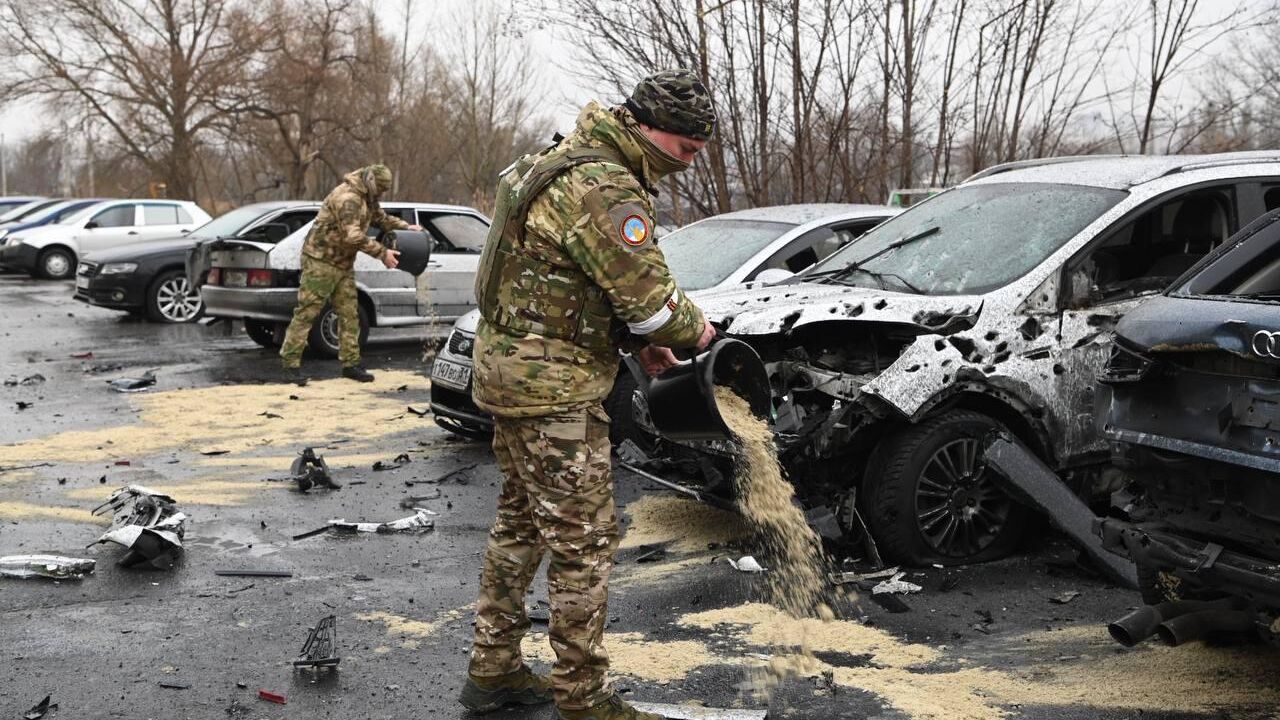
[658,319]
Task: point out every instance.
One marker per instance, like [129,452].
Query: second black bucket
[682,401]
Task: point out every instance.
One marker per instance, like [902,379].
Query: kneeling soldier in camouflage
[328,267]
[569,273]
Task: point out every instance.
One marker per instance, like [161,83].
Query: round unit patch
[634,231]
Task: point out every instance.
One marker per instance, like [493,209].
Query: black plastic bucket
[415,251]
[682,401]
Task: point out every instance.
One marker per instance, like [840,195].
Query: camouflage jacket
[597,219]
[340,230]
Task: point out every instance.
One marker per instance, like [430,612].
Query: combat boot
[295,376]
[357,373]
[615,708]
[522,687]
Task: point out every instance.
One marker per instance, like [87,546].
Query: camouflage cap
[675,101]
[381,175]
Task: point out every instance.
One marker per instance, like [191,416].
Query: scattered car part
[277,698]
[321,646]
[254,573]
[411,502]
[399,461]
[1032,480]
[853,577]
[39,709]
[708,498]
[698,712]
[145,522]
[132,385]
[49,566]
[310,470]
[174,685]
[895,586]
[746,563]
[417,523]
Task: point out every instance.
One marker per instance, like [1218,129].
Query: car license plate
[451,374]
[82,282]
[235,278]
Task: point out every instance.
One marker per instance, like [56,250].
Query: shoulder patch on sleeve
[632,225]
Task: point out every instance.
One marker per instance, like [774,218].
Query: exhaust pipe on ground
[1146,621]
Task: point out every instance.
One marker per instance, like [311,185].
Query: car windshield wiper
[851,267]
[879,278]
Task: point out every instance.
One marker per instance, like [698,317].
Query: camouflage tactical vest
[522,294]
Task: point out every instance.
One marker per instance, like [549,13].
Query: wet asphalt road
[102,646]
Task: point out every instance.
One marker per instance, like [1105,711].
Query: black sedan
[150,278]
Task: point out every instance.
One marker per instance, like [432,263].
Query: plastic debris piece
[23,405]
[896,585]
[132,385]
[1064,598]
[145,522]
[87,355]
[320,649]
[417,522]
[174,685]
[746,563]
[32,379]
[38,710]
[411,502]
[853,577]
[309,470]
[50,566]
[253,573]
[277,698]
[415,411]
[399,461]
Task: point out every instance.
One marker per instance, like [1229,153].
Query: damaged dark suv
[1194,413]
[989,306]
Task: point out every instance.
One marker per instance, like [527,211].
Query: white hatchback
[52,251]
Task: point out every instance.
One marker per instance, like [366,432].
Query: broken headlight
[1125,365]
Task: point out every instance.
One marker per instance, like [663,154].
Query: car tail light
[215,276]
[260,278]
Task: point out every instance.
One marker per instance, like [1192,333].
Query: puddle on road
[687,524]
[229,417]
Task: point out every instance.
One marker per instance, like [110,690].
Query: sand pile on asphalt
[793,551]
[688,525]
[235,418]
[660,661]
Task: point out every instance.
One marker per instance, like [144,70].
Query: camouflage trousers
[324,283]
[557,498]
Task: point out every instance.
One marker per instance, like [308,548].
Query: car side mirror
[91,225]
[774,275]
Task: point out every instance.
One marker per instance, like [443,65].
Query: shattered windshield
[969,240]
[702,255]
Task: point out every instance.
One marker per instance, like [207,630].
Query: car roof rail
[1244,158]
[1036,162]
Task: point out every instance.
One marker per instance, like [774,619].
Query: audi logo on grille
[1267,344]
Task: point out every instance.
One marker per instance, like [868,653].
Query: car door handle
[133,232]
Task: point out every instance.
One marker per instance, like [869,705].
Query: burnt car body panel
[1192,407]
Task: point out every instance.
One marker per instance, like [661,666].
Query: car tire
[171,299]
[56,264]
[323,339]
[622,419]
[929,498]
[263,333]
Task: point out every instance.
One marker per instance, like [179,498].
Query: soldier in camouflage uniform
[328,260]
[571,272]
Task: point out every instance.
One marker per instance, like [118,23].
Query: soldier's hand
[708,334]
[655,359]
[415,228]
[391,258]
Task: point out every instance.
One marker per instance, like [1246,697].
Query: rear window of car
[159,215]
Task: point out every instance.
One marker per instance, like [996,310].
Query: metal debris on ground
[86,355]
[174,685]
[896,585]
[253,573]
[452,473]
[853,577]
[309,470]
[399,461]
[49,566]
[651,553]
[698,712]
[132,385]
[415,411]
[1064,598]
[38,710]
[22,405]
[411,502]
[417,522]
[145,522]
[13,381]
[746,563]
[321,646]
[100,368]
